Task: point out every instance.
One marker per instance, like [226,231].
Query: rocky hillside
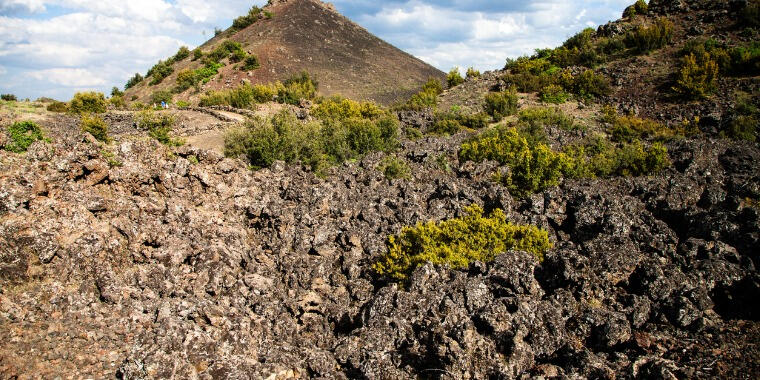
[290,36]
[138,260]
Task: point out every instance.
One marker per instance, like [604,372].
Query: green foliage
[197,54]
[251,62]
[159,72]
[242,96]
[527,82]
[116,92]
[501,104]
[630,128]
[158,125]
[547,116]
[742,60]
[9,97]
[296,88]
[750,15]
[425,99]
[117,102]
[161,96]
[697,76]
[182,104]
[553,93]
[453,121]
[95,126]
[458,242]
[227,49]
[454,78]
[182,53]
[394,168]
[412,133]
[647,38]
[639,8]
[316,144]
[341,109]
[586,85]
[59,107]
[134,81]
[111,158]
[23,134]
[254,14]
[192,78]
[744,121]
[472,73]
[88,102]
[745,60]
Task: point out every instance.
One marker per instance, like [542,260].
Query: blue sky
[57,47]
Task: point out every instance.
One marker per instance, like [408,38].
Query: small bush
[159,72]
[394,168]
[341,109]
[743,124]
[197,54]
[298,87]
[426,98]
[227,49]
[254,14]
[9,97]
[639,8]
[458,242]
[647,38]
[59,107]
[586,85]
[527,82]
[134,81]
[251,63]
[95,126]
[158,126]
[117,102]
[501,104]
[161,96]
[183,104]
[472,73]
[553,94]
[697,77]
[182,53]
[548,116]
[454,78]
[116,92]
[23,134]
[88,102]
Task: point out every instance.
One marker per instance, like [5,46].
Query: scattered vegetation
[335,138]
[117,102]
[454,78]
[425,99]
[251,63]
[159,72]
[458,242]
[743,124]
[161,96]
[254,14]
[227,49]
[740,60]
[454,120]
[394,168]
[553,93]
[472,73]
[22,134]
[647,38]
[197,54]
[298,87]
[60,107]
[182,53]
[630,128]
[88,102]
[95,126]
[111,158]
[9,97]
[134,81]
[501,104]
[116,92]
[192,78]
[639,8]
[158,125]
[697,76]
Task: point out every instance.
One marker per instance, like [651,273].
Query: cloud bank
[57,47]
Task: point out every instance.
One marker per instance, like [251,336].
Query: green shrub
[159,72]
[501,104]
[59,107]
[118,102]
[547,116]
[88,102]
[445,127]
[745,60]
[472,73]
[298,87]
[647,38]
[23,134]
[158,125]
[116,92]
[553,94]
[697,76]
[639,8]
[750,15]
[192,78]
[227,49]
[182,104]
[182,53]
[9,97]
[458,242]
[95,126]
[134,81]
[197,54]
[527,82]
[743,124]
[394,168]
[161,96]
[251,63]
[412,133]
[254,14]
[340,109]
[586,85]
[454,78]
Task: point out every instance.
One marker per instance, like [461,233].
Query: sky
[55,48]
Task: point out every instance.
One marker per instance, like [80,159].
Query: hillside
[308,35]
[592,211]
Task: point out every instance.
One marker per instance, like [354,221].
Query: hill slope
[309,35]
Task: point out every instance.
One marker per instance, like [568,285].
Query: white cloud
[69,77]
[24,5]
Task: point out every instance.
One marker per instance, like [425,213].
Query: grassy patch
[394,168]
[22,134]
[159,126]
[458,242]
